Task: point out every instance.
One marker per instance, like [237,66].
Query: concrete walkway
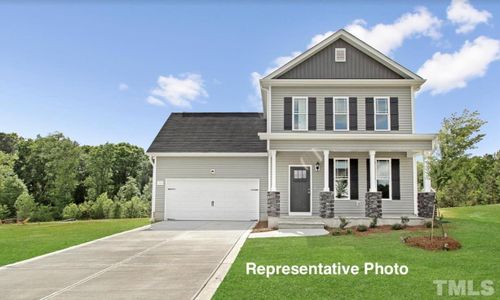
[171,260]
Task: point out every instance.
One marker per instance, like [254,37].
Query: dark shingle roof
[211,132]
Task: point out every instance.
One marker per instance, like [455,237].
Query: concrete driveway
[171,260]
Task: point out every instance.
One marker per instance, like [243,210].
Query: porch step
[300,224]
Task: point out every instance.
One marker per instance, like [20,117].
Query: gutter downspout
[152,160]
[268,127]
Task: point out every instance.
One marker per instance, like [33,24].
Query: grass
[19,242]
[477,228]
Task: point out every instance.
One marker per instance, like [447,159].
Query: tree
[25,205]
[9,142]
[10,185]
[129,161]
[129,190]
[99,165]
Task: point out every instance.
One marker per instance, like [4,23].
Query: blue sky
[89,69]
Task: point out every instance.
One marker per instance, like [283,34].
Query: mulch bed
[261,226]
[437,243]
[378,229]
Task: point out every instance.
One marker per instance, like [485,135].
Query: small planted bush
[373,223]
[85,209]
[428,224]
[343,222]
[397,226]
[71,211]
[362,228]
[349,231]
[25,205]
[336,232]
[404,221]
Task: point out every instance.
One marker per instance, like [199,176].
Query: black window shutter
[288,113]
[353,176]
[369,114]
[367,174]
[330,174]
[396,190]
[353,113]
[329,113]
[394,113]
[312,113]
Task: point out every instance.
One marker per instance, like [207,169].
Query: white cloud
[122,87]
[388,37]
[155,101]
[447,71]
[463,14]
[179,91]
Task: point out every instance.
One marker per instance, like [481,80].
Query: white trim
[345,54]
[348,178]
[269,171]
[290,213]
[354,41]
[390,175]
[207,154]
[343,137]
[373,179]
[153,191]
[347,113]
[273,170]
[326,176]
[293,112]
[426,170]
[415,185]
[412,99]
[382,114]
[342,82]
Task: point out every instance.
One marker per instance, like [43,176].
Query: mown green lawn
[19,242]
[477,228]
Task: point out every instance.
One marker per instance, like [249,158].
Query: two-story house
[336,139]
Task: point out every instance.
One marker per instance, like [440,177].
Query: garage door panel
[212,199]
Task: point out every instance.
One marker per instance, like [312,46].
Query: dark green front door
[300,189]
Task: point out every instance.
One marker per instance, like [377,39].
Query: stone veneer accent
[373,204]
[425,203]
[326,204]
[273,204]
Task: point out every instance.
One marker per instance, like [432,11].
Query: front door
[300,190]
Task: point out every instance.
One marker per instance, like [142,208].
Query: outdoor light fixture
[317,166]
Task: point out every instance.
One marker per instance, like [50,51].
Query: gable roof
[355,42]
[210,132]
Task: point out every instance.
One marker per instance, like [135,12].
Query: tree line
[53,177]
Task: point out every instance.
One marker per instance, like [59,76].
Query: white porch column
[273,170]
[326,154]
[427,179]
[269,171]
[373,180]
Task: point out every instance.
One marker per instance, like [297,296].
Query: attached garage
[212,199]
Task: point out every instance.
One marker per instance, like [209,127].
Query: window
[382,113]
[342,178]
[299,174]
[340,55]
[299,113]
[383,175]
[341,113]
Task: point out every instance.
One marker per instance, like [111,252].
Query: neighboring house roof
[355,42]
[211,132]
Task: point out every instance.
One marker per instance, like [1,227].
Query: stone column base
[326,204]
[425,204]
[373,204]
[273,204]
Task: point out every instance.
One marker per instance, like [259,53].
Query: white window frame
[389,177]
[345,54]
[382,114]
[348,178]
[335,113]
[293,112]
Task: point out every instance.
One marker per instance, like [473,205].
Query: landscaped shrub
[343,222]
[101,206]
[135,208]
[428,224]
[115,211]
[42,213]
[373,223]
[404,221]
[4,211]
[361,228]
[85,209]
[25,205]
[336,232]
[349,231]
[397,226]
[71,211]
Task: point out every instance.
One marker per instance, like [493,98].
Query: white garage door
[212,199]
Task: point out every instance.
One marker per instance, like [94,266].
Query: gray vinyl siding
[403,94]
[350,146]
[358,65]
[199,167]
[347,208]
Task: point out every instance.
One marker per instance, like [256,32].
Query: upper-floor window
[299,113]
[342,178]
[341,113]
[382,113]
[383,174]
[340,55]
